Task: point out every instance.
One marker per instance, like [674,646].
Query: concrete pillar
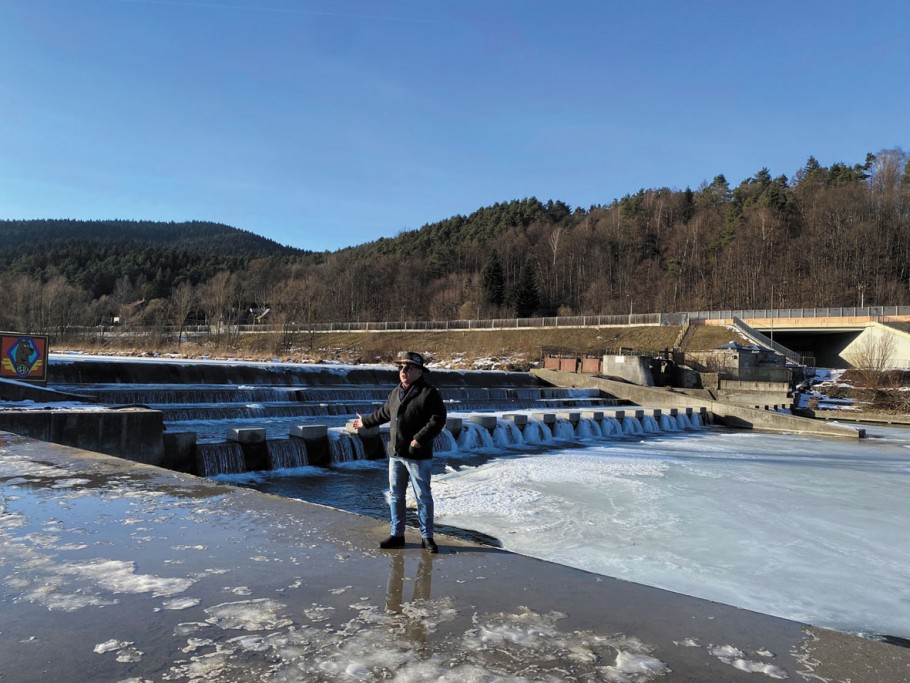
[246,435]
[317,442]
[520,420]
[488,422]
[252,443]
[453,424]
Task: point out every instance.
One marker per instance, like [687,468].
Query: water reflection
[411,620]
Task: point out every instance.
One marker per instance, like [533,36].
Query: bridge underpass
[824,346]
[838,342]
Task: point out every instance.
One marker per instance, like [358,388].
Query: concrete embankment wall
[730,414]
[150,371]
[131,433]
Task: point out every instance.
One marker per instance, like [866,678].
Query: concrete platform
[113,571]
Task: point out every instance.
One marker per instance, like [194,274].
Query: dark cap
[411,358]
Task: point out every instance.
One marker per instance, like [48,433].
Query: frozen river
[809,529]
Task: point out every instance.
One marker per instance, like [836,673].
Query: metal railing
[656,319]
[875,312]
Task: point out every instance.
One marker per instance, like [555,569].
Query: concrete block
[247,435]
[520,419]
[485,421]
[546,418]
[597,415]
[571,417]
[310,432]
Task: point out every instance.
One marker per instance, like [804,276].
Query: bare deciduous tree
[873,355]
[183,300]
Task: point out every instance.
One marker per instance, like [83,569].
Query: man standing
[416,414]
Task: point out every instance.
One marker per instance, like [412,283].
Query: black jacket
[420,416]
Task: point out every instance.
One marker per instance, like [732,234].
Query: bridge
[834,337]
[875,337]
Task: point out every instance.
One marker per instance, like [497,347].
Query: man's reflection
[413,623]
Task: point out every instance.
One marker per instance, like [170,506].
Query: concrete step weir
[731,415]
[209,418]
[248,449]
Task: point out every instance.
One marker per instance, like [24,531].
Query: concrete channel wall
[729,414]
[131,433]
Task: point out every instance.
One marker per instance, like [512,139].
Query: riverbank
[456,349]
[151,574]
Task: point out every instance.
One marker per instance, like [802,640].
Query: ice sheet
[808,529]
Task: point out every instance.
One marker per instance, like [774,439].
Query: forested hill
[834,235]
[95,254]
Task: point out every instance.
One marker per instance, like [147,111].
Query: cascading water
[668,423]
[286,453]
[473,436]
[343,447]
[563,429]
[506,434]
[220,458]
[695,421]
[536,431]
[682,421]
[610,427]
[588,429]
[649,424]
[445,442]
[631,425]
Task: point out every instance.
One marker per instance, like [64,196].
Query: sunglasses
[406,368]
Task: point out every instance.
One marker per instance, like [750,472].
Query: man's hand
[358,421]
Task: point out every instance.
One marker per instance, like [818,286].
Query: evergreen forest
[828,236]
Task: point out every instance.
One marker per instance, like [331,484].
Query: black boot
[392,542]
[430,545]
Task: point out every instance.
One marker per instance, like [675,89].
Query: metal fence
[656,319]
[875,312]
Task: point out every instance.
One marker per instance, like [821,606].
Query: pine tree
[526,293]
[493,280]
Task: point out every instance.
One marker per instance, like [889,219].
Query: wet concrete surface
[117,571]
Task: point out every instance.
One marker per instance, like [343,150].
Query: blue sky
[328,124]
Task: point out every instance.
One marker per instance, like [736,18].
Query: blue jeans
[418,471]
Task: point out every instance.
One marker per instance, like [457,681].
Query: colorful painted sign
[24,357]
